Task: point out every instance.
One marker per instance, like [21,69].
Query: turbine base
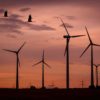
[91,86]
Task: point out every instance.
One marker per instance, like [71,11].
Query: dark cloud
[10,30]
[18,23]
[24,9]
[41,27]
[13,16]
[11,36]
[67,25]
[1,10]
[34,2]
[71,17]
[8,25]
[14,25]
[17,32]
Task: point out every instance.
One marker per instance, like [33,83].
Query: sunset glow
[46,32]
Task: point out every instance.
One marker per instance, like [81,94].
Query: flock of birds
[67,37]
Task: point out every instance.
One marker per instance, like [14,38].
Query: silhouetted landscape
[49,94]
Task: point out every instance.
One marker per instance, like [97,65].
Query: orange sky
[45,32]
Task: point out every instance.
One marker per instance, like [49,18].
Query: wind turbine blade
[65,50]
[9,50]
[96,45]
[98,65]
[85,50]
[77,36]
[66,47]
[95,65]
[64,25]
[47,65]
[37,63]
[21,46]
[88,34]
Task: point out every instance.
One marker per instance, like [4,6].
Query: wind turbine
[43,63]
[17,63]
[97,73]
[91,44]
[68,37]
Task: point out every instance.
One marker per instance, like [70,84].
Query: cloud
[1,10]
[18,23]
[14,20]
[14,25]
[15,16]
[24,9]
[71,17]
[42,2]
[67,25]
[41,27]
[11,36]
[8,26]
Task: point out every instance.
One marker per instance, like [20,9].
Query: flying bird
[6,13]
[30,18]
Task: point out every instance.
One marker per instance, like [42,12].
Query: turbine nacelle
[68,39]
[66,36]
[74,36]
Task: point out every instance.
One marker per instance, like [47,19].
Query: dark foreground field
[50,94]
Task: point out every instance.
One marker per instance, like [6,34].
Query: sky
[46,32]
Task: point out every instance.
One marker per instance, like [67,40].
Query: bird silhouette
[30,18]
[6,13]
